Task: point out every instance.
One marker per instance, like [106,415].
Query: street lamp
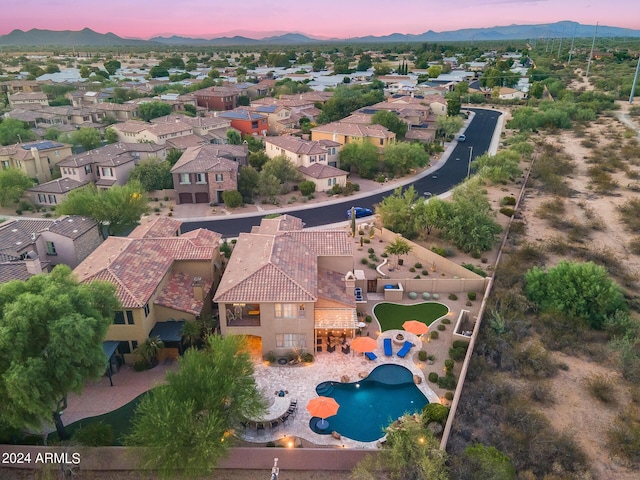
[469,165]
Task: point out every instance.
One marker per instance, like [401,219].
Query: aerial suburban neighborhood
[366,258]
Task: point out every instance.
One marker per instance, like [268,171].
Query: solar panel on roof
[44,145]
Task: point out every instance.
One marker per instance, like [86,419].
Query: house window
[5,164]
[322,158]
[301,313]
[146,310]
[123,347]
[382,141]
[51,248]
[286,310]
[57,153]
[119,318]
[42,198]
[87,169]
[218,177]
[328,182]
[291,340]
[184,179]
[52,199]
[106,172]
[129,317]
[201,178]
[134,344]
[312,159]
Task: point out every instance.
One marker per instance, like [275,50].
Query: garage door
[185,198]
[202,197]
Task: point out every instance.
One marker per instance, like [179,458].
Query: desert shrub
[601,387]
[435,412]
[371,250]
[448,395]
[623,437]
[453,296]
[475,269]
[441,327]
[307,187]
[629,214]
[439,251]
[364,261]
[507,211]
[508,200]
[457,354]
[433,377]
[232,198]
[425,272]
[412,270]
[449,364]
[97,434]
[417,277]
[540,392]
[534,361]
[434,335]
[270,357]
[634,246]
[418,265]
[445,321]
[307,357]
[471,295]
[422,355]
[368,319]
[448,382]
[550,209]
[366,240]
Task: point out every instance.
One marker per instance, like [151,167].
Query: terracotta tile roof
[319,170]
[331,286]
[355,130]
[177,294]
[298,145]
[137,266]
[203,158]
[278,262]
[13,271]
[157,227]
[16,235]
[131,126]
[186,141]
[72,226]
[60,185]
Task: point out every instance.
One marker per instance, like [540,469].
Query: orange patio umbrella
[322,407]
[364,344]
[415,327]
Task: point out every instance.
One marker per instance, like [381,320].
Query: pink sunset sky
[329,18]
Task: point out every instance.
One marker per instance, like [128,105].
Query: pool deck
[299,381]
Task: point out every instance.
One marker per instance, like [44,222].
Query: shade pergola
[109,347]
[415,327]
[335,318]
[364,344]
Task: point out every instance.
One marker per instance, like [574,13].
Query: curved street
[453,170]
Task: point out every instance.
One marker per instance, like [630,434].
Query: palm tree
[191,334]
[148,351]
[398,248]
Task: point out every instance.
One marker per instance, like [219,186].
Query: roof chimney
[32,262]
[198,288]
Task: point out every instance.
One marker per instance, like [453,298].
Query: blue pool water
[369,406]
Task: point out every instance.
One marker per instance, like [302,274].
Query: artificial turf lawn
[391,316]
[120,421]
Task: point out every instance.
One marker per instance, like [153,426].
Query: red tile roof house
[29,246]
[284,285]
[159,274]
[217,98]
[143,132]
[316,160]
[247,122]
[204,172]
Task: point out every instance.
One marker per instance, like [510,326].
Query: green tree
[307,187]
[232,198]
[361,157]
[248,179]
[481,461]
[88,138]
[173,155]
[13,183]
[319,64]
[429,214]
[364,63]
[111,66]
[150,110]
[398,247]
[498,168]
[391,121]
[51,332]
[268,185]
[190,110]
[434,71]
[579,289]
[14,131]
[396,213]
[52,133]
[411,452]
[234,136]
[381,70]
[184,427]
[448,126]
[258,159]
[153,173]
[282,168]
[400,158]
[117,208]
[110,135]
[157,71]
[454,104]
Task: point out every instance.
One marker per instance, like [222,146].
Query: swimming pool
[369,406]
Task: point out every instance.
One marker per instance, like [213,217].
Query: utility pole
[593,44]
[573,39]
[635,81]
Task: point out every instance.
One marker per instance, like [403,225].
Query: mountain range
[88,37]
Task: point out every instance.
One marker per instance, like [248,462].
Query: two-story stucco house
[160,276]
[344,133]
[36,159]
[285,285]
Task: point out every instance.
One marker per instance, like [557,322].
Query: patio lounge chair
[371,356]
[405,349]
[388,349]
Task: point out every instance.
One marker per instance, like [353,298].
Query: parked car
[462,138]
[360,212]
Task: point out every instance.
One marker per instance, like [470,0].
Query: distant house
[158,133]
[54,192]
[506,93]
[283,285]
[316,160]
[30,99]
[209,129]
[217,98]
[36,159]
[344,133]
[247,122]
[160,276]
[205,172]
[31,246]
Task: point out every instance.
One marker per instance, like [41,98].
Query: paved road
[479,134]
